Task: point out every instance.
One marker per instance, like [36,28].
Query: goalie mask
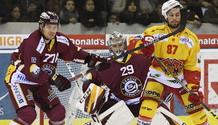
[117,44]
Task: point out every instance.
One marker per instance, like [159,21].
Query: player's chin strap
[183,85]
[181,28]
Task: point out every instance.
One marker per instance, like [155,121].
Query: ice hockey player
[126,76]
[32,71]
[181,54]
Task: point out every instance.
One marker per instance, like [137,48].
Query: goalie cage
[81,117]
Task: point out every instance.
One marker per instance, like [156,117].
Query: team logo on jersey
[30,95]
[175,66]
[192,107]
[157,36]
[33,59]
[48,68]
[155,75]
[187,41]
[151,94]
[131,86]
[52,95]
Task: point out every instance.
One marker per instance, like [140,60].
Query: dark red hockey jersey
[34,52]
[124,79]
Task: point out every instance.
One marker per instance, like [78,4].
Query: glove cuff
[193,87]
[88,58]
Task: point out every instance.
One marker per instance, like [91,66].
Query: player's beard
[173,26]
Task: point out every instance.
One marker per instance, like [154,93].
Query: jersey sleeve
[70,52]
[95,77]
[192,66]
[134,43]
[92,77]
[140,40]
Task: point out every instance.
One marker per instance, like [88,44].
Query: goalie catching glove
[60,82]
[197,97]
[101,63]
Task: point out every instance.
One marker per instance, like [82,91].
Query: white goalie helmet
[116,38]
[170,4]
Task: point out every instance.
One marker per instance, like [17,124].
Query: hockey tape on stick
[183,85]
[181,28]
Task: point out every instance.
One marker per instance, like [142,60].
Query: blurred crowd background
[93,13]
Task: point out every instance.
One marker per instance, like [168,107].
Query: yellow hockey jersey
[180,53]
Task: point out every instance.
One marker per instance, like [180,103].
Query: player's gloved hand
[60,82]
[103,66]
[197,96]
[149,50]
[93,60]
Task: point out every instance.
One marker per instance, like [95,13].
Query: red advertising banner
[89,41]
[96,41]
[208,40]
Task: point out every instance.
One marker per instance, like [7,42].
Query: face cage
[119,53]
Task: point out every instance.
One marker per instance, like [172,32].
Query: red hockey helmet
[49,17]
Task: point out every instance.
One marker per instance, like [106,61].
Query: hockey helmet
[115,38]
[49,17]
[170,4]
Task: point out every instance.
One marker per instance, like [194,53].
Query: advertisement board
[95,41]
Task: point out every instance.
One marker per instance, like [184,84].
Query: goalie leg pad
[92,99]
[56,115]
[163,115]
[199,118]
[118,114]
[25,115]
[148,108]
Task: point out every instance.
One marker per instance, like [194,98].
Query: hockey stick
[74,97]
[181,28]
[183,85]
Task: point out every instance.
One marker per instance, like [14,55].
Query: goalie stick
[183,85]
[74,97]
[181,28]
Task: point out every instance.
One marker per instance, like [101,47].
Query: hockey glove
[103,66]
[60,82]
[197,97]
[149,50]
[92,59]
